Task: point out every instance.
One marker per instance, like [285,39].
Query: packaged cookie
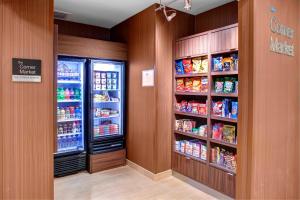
[187,66]
[197,65]
[179,67]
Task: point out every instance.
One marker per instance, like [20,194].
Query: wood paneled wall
[149,37]
[82,30]
[26,108]
[1,94]
[216,18]
[270,103]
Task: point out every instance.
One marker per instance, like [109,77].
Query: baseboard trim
[147,173]
[201,187]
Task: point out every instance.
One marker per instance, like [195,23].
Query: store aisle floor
[123,183]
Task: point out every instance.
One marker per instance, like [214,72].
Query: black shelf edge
[191,135]
[191,157]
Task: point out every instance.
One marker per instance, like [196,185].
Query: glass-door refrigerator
[106,106]
[70,156]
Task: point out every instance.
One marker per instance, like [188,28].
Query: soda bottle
[76,93]
[60,129]
[79,112]
[62,94]
[76,112]
[58,113]
[74,128]
[78,127]
[72,112]
[67,113]
[58,94]
[62,114]
[72,94]
[67,94]
[65,128]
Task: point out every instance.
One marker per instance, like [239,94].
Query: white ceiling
[108,13]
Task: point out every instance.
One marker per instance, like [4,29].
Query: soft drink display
[68,113]
[68,94]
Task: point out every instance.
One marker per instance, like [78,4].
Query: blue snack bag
[218,65]
[179,67]
[234,110]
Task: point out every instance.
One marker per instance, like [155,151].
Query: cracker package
[197,65]
[187,65]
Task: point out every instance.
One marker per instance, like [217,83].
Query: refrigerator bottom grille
[107,146]
[68,165]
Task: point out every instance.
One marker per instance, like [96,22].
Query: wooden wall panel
[273,127]
[1,94]
[27,108]
[91,48]
[216,18]
[224,39]
[82,30]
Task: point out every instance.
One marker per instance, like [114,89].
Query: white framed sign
[148,78]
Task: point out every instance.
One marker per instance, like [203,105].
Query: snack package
[213,155]
[228,64]
[219,85]
[196,150]
[184,107]
[188,84]
[189,107]
[177,145]
[204,84]
[179,125]
[178,107]
[182,146]
[197,65]
[202,109]
[203,151]
[229,133]
[187,126]
[236,87]
[217,108]
[217,131]
[189,148]
[229,85]
[179,67]
[196,84]
[180,84]
[235,58]
[234,109]
[217,62]
[187,66]
[195,131]
[204,66]
[203,130]
[226,107]
[195,108]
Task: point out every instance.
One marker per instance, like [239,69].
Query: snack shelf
[191,93]
[68,120]
[222,168]
[190,157]
[224,73]
[227,144]
[190,114]
[68,82]
[191,135]
[190,75]
[214,94]
[69,101]
[224,119]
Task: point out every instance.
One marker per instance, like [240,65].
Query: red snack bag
[187,65]
[188,84]
[180,84]
[202,109]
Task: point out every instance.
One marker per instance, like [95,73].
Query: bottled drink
[72,112]
[65,128]
[62,142]
[60,129]
[79,112]
[74,128]
[72,94]
[70,128]
[62,114]
[58,113]
[59,143]
[67,94]
[78,127]
[76,94]
[67,110]
[58,93]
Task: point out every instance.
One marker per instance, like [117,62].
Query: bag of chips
[188,84]
[180,84]
[217,108]
[197,65]
[204,66]
[202,109]
[179,67]
[196,85]
[187,65]
[218,66]
[217,131]
[234,110]
[229,133]
[227,64]
[219,85]
[204,84]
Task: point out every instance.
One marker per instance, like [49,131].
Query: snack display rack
[218,170]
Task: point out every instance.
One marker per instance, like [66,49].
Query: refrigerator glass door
[70,106]
[107,79]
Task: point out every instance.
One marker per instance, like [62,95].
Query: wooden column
[269,106]
[26,115]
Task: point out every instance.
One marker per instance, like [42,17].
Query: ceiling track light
[188,5]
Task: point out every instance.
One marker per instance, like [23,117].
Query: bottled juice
[62,114]
[67,94]
[67,110]
[72,94]
[72,112]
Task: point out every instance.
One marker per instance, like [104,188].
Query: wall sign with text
[26,70]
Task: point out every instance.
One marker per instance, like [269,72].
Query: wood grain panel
[84,47]
[216,18]
[1,94]
[82,30]
[190,168]
[100,162]
[224,39]
[27,108]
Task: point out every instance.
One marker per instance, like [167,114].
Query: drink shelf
[67,134]
[222,168]
[112,116]
[68,120]
[69,101]
[69,149]
[106,136]
[106,101]
[106,90]
[190,157]
[68,82]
